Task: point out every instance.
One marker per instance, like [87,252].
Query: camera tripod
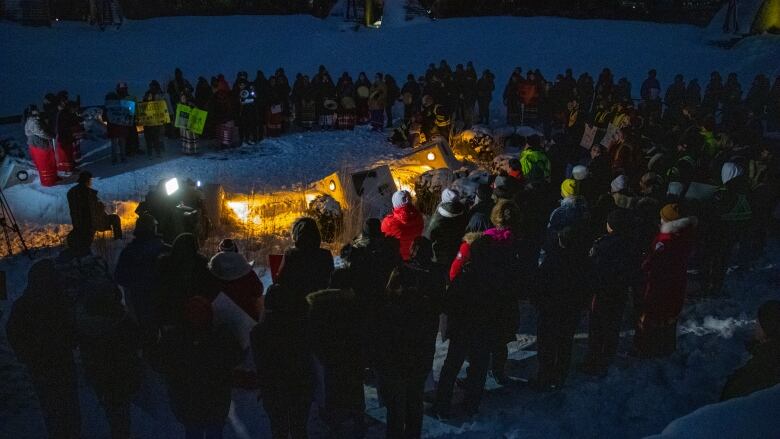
[9,225]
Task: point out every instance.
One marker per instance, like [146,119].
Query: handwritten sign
[120,112]
[612,130]
[191,118]
[588,136]
[152,113]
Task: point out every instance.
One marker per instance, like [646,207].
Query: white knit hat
[619,183]
[401,198]
[579,172]
[229,266]
[730,171]
[450,196]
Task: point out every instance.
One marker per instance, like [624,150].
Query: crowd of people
[437,104]
[612,230]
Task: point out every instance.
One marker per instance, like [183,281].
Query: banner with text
[191,118]
[152,113]
[120,112]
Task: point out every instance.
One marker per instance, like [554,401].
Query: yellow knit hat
[569,188]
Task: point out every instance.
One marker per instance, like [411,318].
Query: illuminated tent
[370,190]
[432,155]
[427,157]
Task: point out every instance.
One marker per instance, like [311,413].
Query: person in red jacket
[478,223]
[666,270]
[405,223]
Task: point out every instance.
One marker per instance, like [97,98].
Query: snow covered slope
[81,59]
[751,416]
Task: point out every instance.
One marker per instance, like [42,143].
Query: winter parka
[405,224]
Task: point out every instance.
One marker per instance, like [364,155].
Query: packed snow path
[636,399]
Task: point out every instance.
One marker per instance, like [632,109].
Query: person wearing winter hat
[136,272]
[505,187]
[730,171]
[579,172]
[238,282]
[763,369]
[621,193]
[228,245]
[305,267]
[515,170]
[733,207]
[483,201]
[619,184]
[572,210]
[569,188]
[665,269]
[446,226]
[615,261]
[404,223]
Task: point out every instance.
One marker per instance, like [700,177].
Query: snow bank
[751,416]
[79,58]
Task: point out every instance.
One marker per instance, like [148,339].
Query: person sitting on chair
[88,215]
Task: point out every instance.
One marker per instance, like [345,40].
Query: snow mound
[753,416]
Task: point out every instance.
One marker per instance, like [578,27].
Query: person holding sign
[189,140]
[155,116]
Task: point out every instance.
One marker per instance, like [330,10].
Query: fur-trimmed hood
[470,237]
[677,226]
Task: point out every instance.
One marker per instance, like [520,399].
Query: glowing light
[171,186]
[431,156]
[332,186]
[198,183]
[240,208]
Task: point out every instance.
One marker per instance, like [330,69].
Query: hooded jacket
[666,269]
[239,282]
[445,230]
[405,224]
[305,267]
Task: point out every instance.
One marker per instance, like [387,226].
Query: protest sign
[588,136]
[191,118]
[120,112]
[152,113]
[612,130]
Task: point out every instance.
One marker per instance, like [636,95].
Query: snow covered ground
[86,62]
[636,399]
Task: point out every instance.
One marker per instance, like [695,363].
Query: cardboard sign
[609,135]
[121,112]
[152,113]
[588,136]
[190,118]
